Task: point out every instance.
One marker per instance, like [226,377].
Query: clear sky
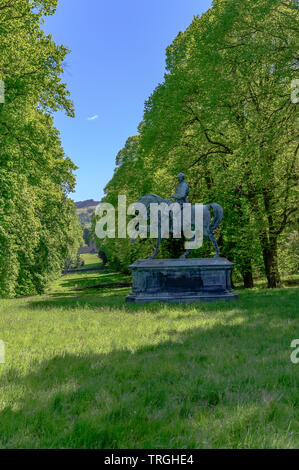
[117,59]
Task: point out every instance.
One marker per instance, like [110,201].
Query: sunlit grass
[91,261]
[87,370]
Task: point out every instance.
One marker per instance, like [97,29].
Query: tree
[223,116]
[226,101]
[38,223]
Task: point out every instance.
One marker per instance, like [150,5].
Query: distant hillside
[85,210]
[86,204]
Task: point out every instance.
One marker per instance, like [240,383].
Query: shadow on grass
[90,267]
[75,282]
[226,386]
[254,300]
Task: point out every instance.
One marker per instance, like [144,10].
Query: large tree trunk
[269,243]
[268,240]
[271,263]
[248,278]
[246,271]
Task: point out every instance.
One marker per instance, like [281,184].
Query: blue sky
[117,59]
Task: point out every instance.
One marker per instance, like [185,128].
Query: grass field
[91,260]
[83,369]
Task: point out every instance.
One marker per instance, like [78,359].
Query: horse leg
[158,239]
[187,253]
[157,248]
[214,241]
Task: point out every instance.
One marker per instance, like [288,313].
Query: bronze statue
[180,196]
[182,190]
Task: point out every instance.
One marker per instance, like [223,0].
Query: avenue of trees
[39,228]
[224,116]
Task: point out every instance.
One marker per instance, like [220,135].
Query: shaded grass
[90,371]
[69,282]
[261,283]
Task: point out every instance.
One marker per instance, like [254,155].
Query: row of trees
[224,116]
[39,228]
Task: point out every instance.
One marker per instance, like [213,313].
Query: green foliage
[85,219]
[288,253]
[39,228]
[224,116]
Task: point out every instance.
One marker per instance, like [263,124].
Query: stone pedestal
[181,280]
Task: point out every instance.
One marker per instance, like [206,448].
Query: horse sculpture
[208,225]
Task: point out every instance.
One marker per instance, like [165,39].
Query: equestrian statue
[180,196]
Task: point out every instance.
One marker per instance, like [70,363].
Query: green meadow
[83,369]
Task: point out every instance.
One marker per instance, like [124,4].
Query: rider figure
[182,190]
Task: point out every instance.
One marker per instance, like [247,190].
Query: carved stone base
[181,280]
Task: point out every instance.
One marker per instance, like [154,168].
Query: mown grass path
[86,370]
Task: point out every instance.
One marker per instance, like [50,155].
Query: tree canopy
[224,116]
[38,223]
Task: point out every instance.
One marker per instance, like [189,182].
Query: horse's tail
[218,216]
